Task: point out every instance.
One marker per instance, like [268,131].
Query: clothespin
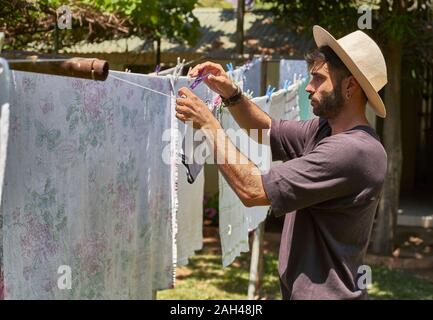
[230,67]
[300,78]
[287,83]
[295,77]
[158,69]
[198,80]
[269,91]
[248,65]
[249,94]
[178,69]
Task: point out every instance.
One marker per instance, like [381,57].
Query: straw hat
[362,56]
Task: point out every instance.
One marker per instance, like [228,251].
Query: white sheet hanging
[86,188]
[236,220]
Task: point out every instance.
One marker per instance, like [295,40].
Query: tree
[31,23]
[156,19]
[240,27]
[404,33]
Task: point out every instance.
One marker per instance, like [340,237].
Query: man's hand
[217,80]
[189,107]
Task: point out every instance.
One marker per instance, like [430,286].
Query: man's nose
[309,89]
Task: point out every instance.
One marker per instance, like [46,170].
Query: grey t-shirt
[329,188]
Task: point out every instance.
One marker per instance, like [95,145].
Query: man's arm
[242,175]
[247,114]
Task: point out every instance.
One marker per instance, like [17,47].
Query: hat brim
[324,38]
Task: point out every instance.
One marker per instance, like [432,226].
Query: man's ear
[351,85]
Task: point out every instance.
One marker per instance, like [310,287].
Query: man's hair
[326,54]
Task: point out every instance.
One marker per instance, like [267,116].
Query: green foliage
[399,21]
[153,19]
[29,23]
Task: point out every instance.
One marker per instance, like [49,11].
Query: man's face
[325,91]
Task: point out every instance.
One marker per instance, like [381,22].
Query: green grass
[395,284]
[204,278]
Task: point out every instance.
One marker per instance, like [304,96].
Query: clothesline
[200,78]
[140,86]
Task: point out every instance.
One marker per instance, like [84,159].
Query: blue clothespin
[287,83]
[158,69]
[198,80]
[269,91]
[230,67]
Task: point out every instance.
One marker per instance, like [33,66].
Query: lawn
[204,278]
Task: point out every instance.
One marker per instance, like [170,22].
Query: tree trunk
[240,27]
[383,236]
[56,38]
[158,51]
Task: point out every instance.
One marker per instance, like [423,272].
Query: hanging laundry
[253,77]
[292,70]
[189,144]
[4,130]
[236,220]
[86,192]
[190,183]
[248,77]
[189,237]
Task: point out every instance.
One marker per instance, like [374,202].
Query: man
[333,170]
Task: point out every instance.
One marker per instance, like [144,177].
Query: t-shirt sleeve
[332,170]
[287,138]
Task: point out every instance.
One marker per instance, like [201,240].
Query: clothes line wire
[140,86]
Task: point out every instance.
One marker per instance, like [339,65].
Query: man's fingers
[185,92]
[181,117]
[183,109]
[206,67]
[184,102]
[215,66]
[214,79]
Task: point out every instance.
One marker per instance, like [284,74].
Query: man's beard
[330,105]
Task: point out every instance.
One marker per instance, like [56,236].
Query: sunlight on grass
[205,278]
[395,284]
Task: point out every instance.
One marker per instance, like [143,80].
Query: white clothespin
[177,72]
[295,78]
[249,94]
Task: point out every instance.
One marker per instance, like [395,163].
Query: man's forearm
[249,116]
[242,175]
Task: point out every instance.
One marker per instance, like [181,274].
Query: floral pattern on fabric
[85,187]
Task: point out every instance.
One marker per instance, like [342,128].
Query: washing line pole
[256,264]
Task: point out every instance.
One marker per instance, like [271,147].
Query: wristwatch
[235,98]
